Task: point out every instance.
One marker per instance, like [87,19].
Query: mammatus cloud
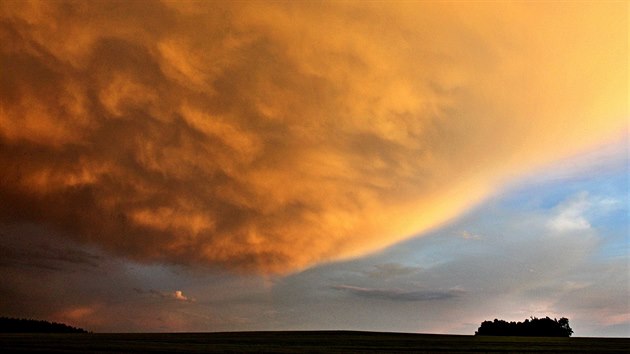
[267,137]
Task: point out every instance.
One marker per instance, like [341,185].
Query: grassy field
[300,342]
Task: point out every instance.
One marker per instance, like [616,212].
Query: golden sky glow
[267,137]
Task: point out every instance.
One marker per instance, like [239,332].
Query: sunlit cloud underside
[269,137]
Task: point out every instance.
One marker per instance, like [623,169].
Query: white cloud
[570,216]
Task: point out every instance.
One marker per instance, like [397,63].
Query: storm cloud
[269,137]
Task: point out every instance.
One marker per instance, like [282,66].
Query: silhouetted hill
[14,325]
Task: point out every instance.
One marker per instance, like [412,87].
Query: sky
[388,166]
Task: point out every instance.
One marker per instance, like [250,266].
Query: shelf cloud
[269,137]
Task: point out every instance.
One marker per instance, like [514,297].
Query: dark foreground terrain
[300,342]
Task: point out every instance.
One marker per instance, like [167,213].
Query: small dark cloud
[398,294]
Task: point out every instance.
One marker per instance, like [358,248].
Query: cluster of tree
[534,327]
[14,325]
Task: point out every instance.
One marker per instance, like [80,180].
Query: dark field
[301,342]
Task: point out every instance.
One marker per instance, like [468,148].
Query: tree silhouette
[14,325]
[536,327]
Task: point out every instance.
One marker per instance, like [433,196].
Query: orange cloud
[268,137]
[179,296]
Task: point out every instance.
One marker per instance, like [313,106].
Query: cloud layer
[267,137]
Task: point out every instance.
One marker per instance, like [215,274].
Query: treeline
[14,325]
[534,327]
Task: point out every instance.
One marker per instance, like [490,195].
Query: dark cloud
[43,252]
[397,294]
